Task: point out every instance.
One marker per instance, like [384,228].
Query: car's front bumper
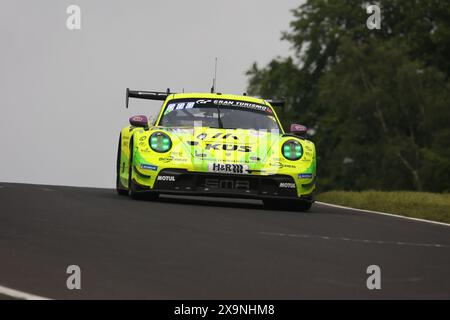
[178,181]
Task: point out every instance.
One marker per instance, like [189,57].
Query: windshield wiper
[219,120]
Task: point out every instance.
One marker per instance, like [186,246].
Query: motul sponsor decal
[166,178]
[287,185]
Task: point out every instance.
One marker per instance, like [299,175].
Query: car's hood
[227,145]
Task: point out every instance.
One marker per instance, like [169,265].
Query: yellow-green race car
[214,144]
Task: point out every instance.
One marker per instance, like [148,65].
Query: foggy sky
[63,92]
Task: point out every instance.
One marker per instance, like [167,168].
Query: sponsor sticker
[288,185]
[282,165]
[179,106]
[200,155]
[172,158]
[220,146]
[242,104]
[166,178]
[228,168]
[170,108]
[305,176]
[149,167]
[227,184]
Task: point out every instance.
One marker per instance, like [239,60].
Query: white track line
[367,241]
[19,294]
[384,214]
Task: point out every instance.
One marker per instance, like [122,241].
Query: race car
[213,144]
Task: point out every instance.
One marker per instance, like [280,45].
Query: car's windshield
[234,114]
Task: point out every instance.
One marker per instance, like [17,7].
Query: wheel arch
[126,137]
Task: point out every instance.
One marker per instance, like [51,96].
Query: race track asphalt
[189,248]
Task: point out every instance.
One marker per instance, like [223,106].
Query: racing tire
[271,204]
[303,206]
[132,188]
[289,205]
[119,187]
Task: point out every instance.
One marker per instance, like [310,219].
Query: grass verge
[423,205]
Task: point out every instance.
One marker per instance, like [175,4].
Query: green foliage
[378,100]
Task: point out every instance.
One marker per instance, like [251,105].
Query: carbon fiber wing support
[148,95]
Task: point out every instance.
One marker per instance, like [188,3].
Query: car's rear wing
[148,95]
[161,96]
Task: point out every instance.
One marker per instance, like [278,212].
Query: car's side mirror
[298,129]
[139,121]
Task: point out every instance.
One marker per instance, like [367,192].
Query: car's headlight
[292,150]
[160,142]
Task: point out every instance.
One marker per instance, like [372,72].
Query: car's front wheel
[289,205]
[119,187]
[302,205]
[132,187]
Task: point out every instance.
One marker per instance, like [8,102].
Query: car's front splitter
[178,181]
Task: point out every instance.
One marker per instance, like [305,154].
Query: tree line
[377,102]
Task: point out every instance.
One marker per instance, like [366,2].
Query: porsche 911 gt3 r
[215,145]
